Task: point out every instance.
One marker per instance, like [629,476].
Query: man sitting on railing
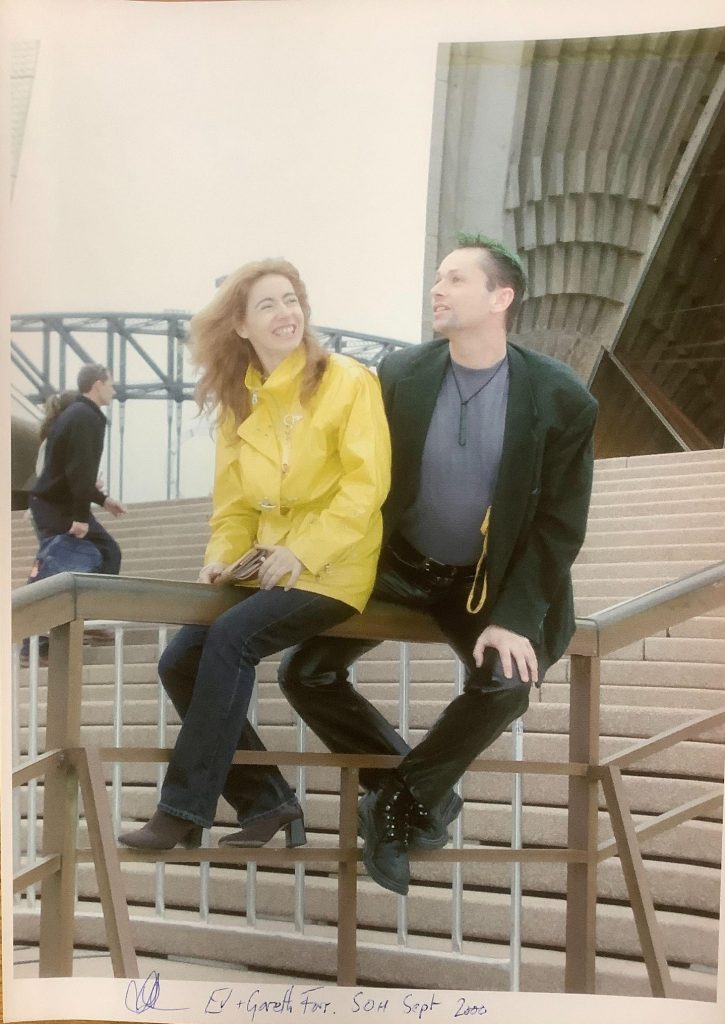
[492,473]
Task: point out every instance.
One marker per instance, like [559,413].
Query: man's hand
[114,507]
[511,648]
[211,572]
[279,562]
[78,530]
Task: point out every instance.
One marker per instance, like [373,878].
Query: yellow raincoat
[309,477]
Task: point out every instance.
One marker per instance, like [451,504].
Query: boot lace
[395,817]
[419,816]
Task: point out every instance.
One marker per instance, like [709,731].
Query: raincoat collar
[281,377]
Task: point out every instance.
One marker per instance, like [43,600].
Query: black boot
[428,829]
[383,821]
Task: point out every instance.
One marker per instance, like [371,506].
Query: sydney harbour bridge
[46,350]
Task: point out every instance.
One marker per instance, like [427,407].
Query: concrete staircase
[653,519]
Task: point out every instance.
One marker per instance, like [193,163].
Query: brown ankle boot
[289,817]
[163,832]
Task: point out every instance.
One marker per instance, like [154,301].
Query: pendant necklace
[463,419]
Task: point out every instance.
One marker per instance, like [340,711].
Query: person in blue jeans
[72,436]
[302,469]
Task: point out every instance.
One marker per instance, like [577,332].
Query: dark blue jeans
[50,521]
[209,674]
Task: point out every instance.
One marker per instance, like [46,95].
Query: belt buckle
[435,569]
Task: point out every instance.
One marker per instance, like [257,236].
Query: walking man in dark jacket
[61,499]
[492,474]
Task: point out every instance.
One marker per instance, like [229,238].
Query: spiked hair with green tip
[502,267]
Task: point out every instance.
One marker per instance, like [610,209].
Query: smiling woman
[302,469]
[274,321]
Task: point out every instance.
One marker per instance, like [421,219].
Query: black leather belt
[436,571]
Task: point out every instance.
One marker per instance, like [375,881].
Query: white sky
[168,143]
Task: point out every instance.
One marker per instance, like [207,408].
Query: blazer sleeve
[541,564]
[81,468]
[364,449]
[233,522]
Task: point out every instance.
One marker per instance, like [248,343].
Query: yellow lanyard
[481,562]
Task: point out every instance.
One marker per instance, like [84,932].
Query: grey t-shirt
[457,481]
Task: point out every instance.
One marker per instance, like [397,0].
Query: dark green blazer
[540,505]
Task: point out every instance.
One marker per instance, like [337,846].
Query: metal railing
[63,603]
[511,963]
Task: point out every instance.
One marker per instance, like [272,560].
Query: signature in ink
[138,1000]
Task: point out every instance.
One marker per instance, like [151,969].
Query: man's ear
[502,300]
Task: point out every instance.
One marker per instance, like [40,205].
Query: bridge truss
[145,353]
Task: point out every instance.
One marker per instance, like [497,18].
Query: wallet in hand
[245,568]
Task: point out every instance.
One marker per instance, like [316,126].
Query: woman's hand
[279,562]
[211,572]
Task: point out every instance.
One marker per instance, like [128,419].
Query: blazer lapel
[414,402]
[517,481]
[409,406]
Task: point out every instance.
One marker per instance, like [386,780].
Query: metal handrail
[65,601]
[627,621]
[68,596]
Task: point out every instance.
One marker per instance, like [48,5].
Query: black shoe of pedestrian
[42,653]
[42,659]
[383,822]
[428,829]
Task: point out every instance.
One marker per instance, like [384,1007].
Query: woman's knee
[180,657]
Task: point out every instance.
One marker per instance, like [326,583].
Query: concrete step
[708,673]
[647,795]
[626,720]
[381,961]
[551,693]
[708,483]
[658,536]
[185,544]
[649,506]
[682,465]
[698,759]
[707,628]
[486,913]
[690,649]
[694,844]
[709,553]
[672,885]
[663,571]
[663,521]
[614,589]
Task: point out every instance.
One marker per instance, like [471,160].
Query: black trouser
[314,678]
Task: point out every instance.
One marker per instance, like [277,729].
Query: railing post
[635,876]
[347,881]
[581,890]
[60,807]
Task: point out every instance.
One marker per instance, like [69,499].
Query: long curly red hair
[224,357]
